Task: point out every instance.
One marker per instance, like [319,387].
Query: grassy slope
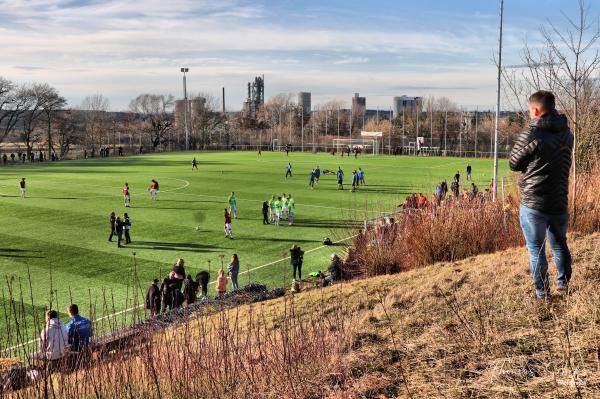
[468,329]
[62,228]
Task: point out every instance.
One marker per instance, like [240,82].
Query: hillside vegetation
[467,329]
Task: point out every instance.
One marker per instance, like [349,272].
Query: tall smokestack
[223,100]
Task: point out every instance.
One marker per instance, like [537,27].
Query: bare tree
[13,103]
[53,102]
[69,128]
[567,63]
[156,111]
[207,119]
[38,96]
[95,117]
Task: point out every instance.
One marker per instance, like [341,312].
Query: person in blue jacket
[79,329]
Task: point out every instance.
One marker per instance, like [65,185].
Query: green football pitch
[54,243]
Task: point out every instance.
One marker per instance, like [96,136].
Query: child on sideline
[221,286]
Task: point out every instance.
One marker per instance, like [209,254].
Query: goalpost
[368,144]
[276,146]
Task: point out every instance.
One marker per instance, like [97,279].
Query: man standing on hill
[543,154]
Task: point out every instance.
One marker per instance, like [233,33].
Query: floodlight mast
[497,128]
[185,111]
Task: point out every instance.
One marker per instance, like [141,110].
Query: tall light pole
[302,127]
[496,130]
[390,136]
[402,128]
[446,134]
[476,128]
[338,121]
[185,112]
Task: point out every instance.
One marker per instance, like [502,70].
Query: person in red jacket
[228,232]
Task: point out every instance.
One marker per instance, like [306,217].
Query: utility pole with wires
[446,134]
[497,128]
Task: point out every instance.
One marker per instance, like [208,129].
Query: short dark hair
[545,99]
[53,314]
[74,309]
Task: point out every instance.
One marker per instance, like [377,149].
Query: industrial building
[359,104]
[406,104]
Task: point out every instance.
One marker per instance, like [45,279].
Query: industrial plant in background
[256,97]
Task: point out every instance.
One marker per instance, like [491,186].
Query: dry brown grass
[464,329]
[451,232]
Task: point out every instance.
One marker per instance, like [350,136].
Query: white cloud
[351,60]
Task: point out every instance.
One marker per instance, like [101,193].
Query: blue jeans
[536,225]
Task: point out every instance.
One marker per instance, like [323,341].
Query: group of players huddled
[278,208]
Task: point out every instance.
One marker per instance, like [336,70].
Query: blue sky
[331,48]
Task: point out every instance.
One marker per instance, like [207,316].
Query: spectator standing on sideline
[202,279]
[119,231]
[23,187]
[543,154]
[296,259]
[54,340]
[457,177]
[79,329]
[233,269]
[153,298]
[469,172]
[113,227]
[190,290]
[221,286]
[126,228]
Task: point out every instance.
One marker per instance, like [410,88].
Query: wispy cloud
[351,60]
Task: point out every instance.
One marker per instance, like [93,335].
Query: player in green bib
[284,206]
[278,207]
[232,200]
[291,209]
[272,209]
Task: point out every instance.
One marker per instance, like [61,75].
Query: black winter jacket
[543,154]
